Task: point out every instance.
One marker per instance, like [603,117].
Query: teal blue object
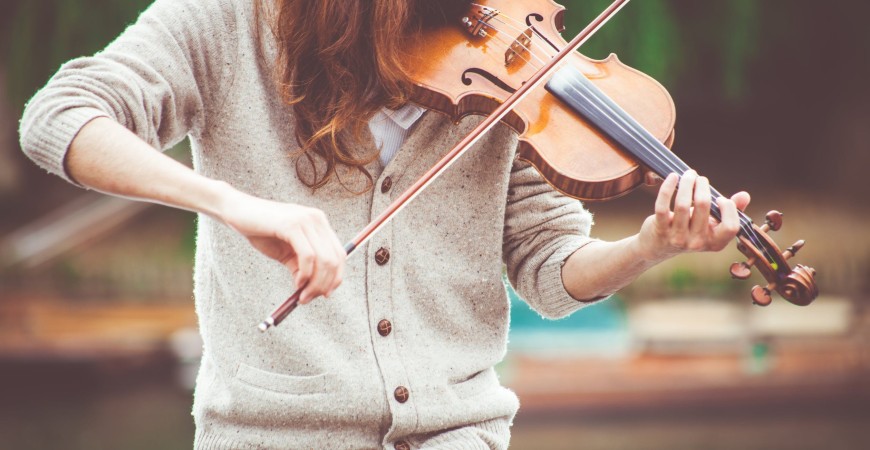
[605,316]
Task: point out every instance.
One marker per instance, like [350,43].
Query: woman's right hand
[298,237]
[108,157]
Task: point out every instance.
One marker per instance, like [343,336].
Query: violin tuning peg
[791,251]
[741,270]
[773,221]
[761,295]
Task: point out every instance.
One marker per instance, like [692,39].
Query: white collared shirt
[390,128]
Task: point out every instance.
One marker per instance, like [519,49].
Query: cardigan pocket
[284,384]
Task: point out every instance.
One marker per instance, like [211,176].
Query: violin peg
[773,220]
[741,270]
[761,295]
[791,251]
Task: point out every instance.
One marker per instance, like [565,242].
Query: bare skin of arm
[602,268]
[107,157]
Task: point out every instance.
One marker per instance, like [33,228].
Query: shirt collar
[405,116]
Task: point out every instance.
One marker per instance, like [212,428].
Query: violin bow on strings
[618,144]
[282,311]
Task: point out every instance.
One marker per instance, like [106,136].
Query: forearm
[107,157]
[601,268]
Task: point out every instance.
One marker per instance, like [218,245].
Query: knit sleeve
[156,79]
[542,229]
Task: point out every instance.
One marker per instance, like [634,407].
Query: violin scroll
[797,285]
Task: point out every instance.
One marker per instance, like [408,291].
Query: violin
[594,131]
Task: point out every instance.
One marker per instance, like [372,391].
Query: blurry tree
[746,61]
[40,35]
[45,33]
[650,36]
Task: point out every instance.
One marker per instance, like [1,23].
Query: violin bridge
[519,47]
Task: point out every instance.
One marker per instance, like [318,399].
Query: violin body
[465,71]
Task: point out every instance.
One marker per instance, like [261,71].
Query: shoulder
[200,15]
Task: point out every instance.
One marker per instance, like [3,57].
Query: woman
[301,133]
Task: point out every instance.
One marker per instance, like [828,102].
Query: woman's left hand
[689,226]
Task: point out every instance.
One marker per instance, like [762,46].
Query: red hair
[340,62]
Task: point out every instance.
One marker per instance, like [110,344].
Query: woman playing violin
[302,130]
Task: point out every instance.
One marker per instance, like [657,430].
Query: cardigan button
[401,393]
[385,327]
[402,445]
[382,256]
[386,185]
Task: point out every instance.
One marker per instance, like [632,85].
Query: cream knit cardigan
[326,377]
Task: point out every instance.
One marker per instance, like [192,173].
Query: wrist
[221,197]
[647,251]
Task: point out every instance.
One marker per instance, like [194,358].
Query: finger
[700,221]
[729,226]
[324,265]
[663,201]
[683,202]
[302,262]
[741,199]
[339,254]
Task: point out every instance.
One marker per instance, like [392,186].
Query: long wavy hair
[339,62]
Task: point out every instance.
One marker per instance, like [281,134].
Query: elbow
[47,129]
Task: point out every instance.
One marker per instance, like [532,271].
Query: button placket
[382,317]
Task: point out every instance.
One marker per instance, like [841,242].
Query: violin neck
[571,87]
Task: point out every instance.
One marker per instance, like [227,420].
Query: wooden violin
[594,131]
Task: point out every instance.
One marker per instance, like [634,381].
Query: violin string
[519,55]
[518,28]
[532,53]
[672,163]
[675,165]
[530,48]
[678,165]
[534,30]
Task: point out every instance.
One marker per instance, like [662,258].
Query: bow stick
[412,192]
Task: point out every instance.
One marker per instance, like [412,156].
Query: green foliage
[654,37]
[40,35]
[651,35]
[644,33]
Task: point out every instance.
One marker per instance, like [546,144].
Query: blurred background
[98,340]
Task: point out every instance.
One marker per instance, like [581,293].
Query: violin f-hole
[539,18]
[466,80]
